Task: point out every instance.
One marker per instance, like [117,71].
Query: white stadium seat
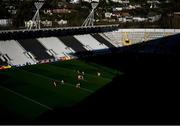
[15,52]
[55,46]
[89,41]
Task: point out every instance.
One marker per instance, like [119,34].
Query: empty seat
[55,45]
[14,53]
[90,42]
[114,37]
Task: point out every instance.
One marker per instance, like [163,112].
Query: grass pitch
[29,91]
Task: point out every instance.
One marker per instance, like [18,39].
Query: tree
[24,12]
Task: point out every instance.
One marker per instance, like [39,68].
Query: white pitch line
[27,98]
[84,89]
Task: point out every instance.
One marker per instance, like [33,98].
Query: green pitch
[29,91]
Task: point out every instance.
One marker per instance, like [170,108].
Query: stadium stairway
[33,46]
[14,52]
[70,41]
[1,62]
[55,46]
[90,42]
[5,58]
[103,40]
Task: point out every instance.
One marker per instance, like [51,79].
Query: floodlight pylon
[36,19]
[90,19]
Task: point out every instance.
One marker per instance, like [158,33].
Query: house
[75,1]
[108,15]
[139,19]
[117,9]
[62,22]
[57,11]
[5,22]
[153,3]
[121,1]
[134,6]
[47,23]
[61,11]
[154,18]
[125,19]
[89,1]
[116,14]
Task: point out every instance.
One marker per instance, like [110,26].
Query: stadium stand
[154,35]
[115,38]
[55,46]
[108,39]
[5,58]
[90,43]
[33,46]
[47,49]
[103,40]
[135,36]
[70,41]
[14,53]
[138,37]
[1,62]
